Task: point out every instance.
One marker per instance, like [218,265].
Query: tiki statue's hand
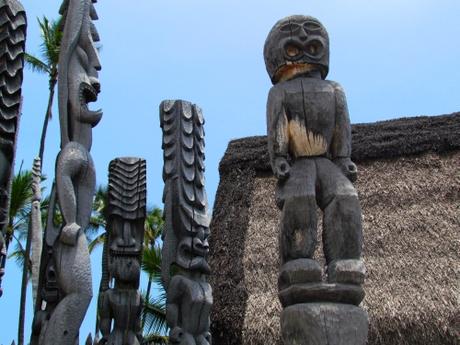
[348,168]
[69,234]
[281,168]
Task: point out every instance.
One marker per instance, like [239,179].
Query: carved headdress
[13,24]
[12,46]
[186,207]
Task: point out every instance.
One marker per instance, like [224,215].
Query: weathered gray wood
[120,307]
[309,143]
[65,287]
[36,231]
[13,25]
[186,231]
[324,324]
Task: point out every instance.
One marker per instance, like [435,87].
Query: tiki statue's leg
[74,272]
[342,233]
[298,221]
[75,180]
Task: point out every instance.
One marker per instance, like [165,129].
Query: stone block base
[324,324]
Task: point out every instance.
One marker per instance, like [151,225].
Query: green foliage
[154,311]
[51,36]
[154,314]
[20,207]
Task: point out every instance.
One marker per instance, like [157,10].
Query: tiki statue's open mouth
[88,94]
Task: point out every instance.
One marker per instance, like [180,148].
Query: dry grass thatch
[410,196]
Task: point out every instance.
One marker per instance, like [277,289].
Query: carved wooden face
[193,251]
[83,80]
[126,236]
[298,43]
[125,245]
[79,64]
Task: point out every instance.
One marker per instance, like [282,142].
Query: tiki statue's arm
[341,141]
[277,133]
[172,303]
[105,317]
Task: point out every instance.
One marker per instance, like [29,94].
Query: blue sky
[394,58]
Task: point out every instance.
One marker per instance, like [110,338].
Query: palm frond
[21,194]
[36,65]
[18,256]
[151,261]
[154,314]
[153,225]
[155,339]
[96,242]
[51,34]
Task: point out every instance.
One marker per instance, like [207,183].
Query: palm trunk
[53,81]
[22,306]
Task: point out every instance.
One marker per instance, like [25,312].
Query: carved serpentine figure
[120,306]
[65,287]
[309,141]
[13,24]
[186,230]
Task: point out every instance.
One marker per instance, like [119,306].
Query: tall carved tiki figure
[186,230]
[65,287]
[309,141]
[13,25]
[120,305]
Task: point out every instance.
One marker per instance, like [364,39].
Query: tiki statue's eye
[291,28]
[314,48]
[292,50]
[83,57]
[311,26]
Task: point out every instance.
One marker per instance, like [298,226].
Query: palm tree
[51,34]
[154,311]
[17,229]
[98,219]
[21,197]
[152,251]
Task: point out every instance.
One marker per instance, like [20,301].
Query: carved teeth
[88,94]
[125,253]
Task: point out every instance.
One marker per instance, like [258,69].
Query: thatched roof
[409,187]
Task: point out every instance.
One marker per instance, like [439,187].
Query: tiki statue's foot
[350,271]
[70,233]
[178,336]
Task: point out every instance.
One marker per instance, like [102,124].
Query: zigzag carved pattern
[13,25]
[128,187]
[183,171]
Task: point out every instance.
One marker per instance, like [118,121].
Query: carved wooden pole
[65,286]
[186,230]
[13,25]
[35,226]
[309,141]
[120,306]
